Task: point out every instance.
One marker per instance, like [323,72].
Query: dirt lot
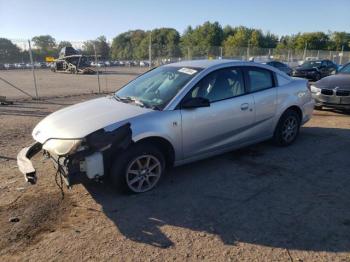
[51,84]
[260,203]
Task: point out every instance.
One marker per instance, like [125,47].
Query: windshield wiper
[123,99]
[129,99]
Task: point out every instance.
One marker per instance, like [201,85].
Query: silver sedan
[169,116]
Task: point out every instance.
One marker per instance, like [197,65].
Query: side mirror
[195,102]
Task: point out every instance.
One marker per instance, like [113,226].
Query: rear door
[226,122]
[262,86]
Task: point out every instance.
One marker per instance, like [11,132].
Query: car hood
[82,119]
[342,81]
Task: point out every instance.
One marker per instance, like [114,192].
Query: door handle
[244,106]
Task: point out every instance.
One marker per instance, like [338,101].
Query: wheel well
[297,110]
[163,145]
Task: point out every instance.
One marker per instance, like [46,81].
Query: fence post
[304,56]
[33,70]
[341,55]
[248,50]
[97,71]
[150,49]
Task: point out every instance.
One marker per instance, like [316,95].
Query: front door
[225,123]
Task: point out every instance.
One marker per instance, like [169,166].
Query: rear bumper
[25,164]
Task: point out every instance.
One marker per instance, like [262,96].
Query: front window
[220,84]
[345,69]
[311,64]
[157,87]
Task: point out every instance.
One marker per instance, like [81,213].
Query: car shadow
[294,197]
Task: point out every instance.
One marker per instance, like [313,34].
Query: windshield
[311,64]
[157,87]
[345,69]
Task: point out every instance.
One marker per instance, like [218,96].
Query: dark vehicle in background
[333,91]
[70,61]
[315,70]
[2,67]
[281,66]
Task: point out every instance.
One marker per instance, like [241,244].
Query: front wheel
[287,128]
[139,169]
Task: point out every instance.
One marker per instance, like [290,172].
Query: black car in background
[333,91]
[315,70]
[283,67]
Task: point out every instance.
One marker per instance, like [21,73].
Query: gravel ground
[260,203]
[52,84]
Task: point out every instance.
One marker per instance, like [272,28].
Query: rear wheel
[139,169]
[287,128]
[318,107]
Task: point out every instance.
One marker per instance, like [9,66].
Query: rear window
[260,79]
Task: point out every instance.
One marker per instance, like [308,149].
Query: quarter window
[260,79]
[220,84]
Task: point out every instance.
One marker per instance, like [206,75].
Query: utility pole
[220,52]
[341,55]
[150,49]
[97,70]
[304,56]
[248,50]
[33,70]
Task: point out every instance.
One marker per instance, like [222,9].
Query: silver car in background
[169,116]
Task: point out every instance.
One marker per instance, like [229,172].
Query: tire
[287,129]
[318,107]
[127,175]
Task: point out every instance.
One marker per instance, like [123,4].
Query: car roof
[206,63]
[218,63]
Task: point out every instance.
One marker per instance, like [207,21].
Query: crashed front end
[89,156]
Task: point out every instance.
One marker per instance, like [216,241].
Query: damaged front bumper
[25,164]
[93,159]
[68,167]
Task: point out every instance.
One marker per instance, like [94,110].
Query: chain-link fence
[35,72]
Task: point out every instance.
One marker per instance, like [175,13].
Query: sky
[78,20]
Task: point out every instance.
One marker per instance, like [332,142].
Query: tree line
[202,40]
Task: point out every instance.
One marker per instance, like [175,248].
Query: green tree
[340,40]
[101,46]
[127,45]
[44,42]
[203,39]
[63,44]
[313,41]
[165,42]
[9,52]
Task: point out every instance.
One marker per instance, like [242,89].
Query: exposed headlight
[315,89]
[62,146]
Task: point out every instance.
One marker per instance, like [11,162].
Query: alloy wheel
[143,173]
[290,129]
